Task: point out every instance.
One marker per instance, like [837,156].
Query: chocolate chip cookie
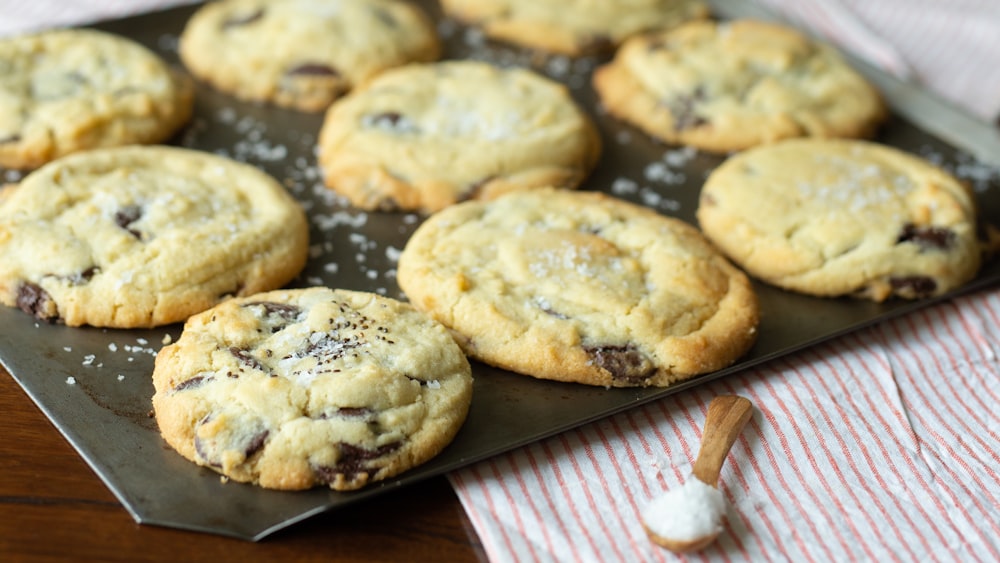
[302,54]
[580,287]
[144,236]
[424,136]
[575,27]
[729,86]
[843,217]
[64,91]
[293,389]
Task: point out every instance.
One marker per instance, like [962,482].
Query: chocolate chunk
[127,215]
[473,190]
[242,20]
[354,412]
[917,286]
[82,278]
[623,362]
[313,69]
[34,300]
[928,238]
[596,45]
[684,109]
[256,443]
[12,138]
[246,358]
[353,460]
[283,310]
[196,381]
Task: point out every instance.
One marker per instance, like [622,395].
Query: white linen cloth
[882,445]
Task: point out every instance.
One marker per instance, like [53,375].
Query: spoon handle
[727,415]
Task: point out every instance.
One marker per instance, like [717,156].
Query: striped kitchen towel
[882,445]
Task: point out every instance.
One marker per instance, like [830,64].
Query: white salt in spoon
[689,518]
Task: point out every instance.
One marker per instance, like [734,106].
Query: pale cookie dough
[572,27]
[69,90]
[303,54]
[423,137]
[580,287]
[292,389]
[843,217]
[144,236]
[726,87]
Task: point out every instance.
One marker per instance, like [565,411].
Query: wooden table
[54,508]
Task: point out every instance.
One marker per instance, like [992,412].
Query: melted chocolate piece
[919,286]
[127,215]
[34,300]
[242,20]
[353,461]
[192,383]
[313,69]
[82,278]
[623,362]
[256,443]
[473,190]
[684,109]
[283,310]
[354,412]
[928,238]
[597,44]
[247,359]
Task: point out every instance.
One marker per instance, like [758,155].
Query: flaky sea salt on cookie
[728,86]
[64,91]
[425,136]
[293,389]
[841,217]
[144,236]
[580,287]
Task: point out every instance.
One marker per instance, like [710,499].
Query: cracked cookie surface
[580,287]
[730,86]
[303,54]
[426,136]
[575,27]
[64,91]
[292,389]
[843,217]
[144,236]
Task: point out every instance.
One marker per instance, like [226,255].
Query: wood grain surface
[53,507]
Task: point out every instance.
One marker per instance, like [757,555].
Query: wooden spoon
[727,415]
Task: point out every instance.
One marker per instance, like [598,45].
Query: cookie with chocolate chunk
[144,236]
[302,54]
[425,136]
[293,389]
[843,217]
[577,27]
[580,287]
[68,90]
[729,86]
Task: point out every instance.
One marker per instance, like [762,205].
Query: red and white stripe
[881,445]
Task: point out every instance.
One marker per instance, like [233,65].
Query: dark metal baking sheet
[94,384]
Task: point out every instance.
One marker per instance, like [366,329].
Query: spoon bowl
[671,520]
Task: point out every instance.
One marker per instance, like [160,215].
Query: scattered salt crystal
[142,341]
[113,347]
[331,267]
[434,384]
[89,359]
[67,349]
[624,186]
[71,380]
[121,377]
